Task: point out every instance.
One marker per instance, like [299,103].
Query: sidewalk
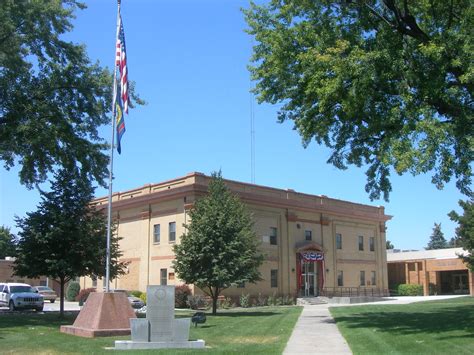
[316,332]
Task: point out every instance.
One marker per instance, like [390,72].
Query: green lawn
[437,327]
[256,330]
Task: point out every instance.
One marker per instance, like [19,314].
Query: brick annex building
[313,244]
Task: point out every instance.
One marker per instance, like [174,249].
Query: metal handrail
[354,292]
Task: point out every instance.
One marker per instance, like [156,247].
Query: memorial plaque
[160,312]
[181,329]
[140,329]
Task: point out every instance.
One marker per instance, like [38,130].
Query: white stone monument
[160,330]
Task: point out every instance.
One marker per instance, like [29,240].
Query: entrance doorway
[308,286]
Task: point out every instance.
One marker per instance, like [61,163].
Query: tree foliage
[389,245]
[52,98]
[220,246]
[65,237]
[7,242]
[383,83]
[465,230]
[437,240]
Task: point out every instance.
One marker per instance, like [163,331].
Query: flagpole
[111,165]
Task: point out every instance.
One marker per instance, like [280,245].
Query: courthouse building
[313,244]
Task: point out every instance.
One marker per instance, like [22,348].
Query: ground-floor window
[163,277]
[340,278]
[274,278]
[362,278]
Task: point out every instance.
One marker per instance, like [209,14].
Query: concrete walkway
[316,332]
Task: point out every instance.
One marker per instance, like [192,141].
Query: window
[163,277]
[308,235]
[338,241]
[94,281]
[273,236]
[373,279]
[172,230]
[372,244]
[43,283]
[340,278]
[156,233]
[274,278]
[362,278]
[361,242]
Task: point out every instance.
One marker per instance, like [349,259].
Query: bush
[135,293]
[261,300]
[143,297]
[410,290]
[288,300]
[226,303]
[181,294]
[245,300]
[72,291]
[272,300]
[84,294]
[196,302]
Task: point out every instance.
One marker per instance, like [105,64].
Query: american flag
[121,62]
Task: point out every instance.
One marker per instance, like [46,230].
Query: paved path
[316,332]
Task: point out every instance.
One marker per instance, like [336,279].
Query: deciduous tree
[65,237]
[7,242]
[382,83]
[52,98]
[220,246]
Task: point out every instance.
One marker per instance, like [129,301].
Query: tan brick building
[313,244]
[441,270]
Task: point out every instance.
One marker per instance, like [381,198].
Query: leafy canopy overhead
[220,247]
[65,237]
[383,83]
[52,98]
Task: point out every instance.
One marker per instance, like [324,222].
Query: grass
[436,327]
[257,330]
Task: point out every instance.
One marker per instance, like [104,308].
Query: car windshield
[18,289]
[43,288]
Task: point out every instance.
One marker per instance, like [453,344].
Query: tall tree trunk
[61,297]
[214,303]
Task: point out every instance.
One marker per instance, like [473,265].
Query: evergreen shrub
[72,291]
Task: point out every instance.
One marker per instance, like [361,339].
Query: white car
[20,296]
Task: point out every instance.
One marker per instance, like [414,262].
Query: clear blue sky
[189,61]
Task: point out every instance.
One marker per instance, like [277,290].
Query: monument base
[104,314]
[132,345]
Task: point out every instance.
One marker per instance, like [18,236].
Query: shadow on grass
[243,314]
[433,320]
[50,320]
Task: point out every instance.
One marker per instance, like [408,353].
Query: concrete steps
[302,301]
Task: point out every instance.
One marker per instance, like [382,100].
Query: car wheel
[11,305]
[39,309]
[52,301]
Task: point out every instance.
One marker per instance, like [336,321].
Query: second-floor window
[372,244]
[361,242]
[172,232]
[338,241]
[273,236]
[156,233]
[308,235]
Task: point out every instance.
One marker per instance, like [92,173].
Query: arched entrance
[310,270]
